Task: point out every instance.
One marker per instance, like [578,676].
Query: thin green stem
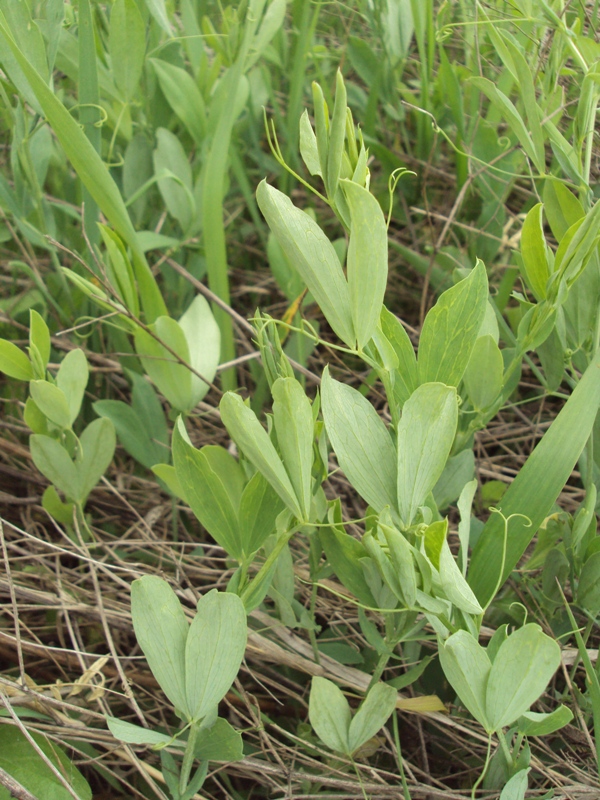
[399,759]
[188,759]
[485,766]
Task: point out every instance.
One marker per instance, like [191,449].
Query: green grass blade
[537,486]
[89,106]
[92,172]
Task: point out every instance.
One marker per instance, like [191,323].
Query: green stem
[188,759]
[381,665]
[485,766]
[399,759]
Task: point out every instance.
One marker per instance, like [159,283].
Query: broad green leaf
[206,493]
[259,508]
[171,378]
[91,169]
[467,668]
[537,486]
[14,362]
[561,206]
[361,442]
[174,177]
[524,664]
[214,651]
[406,376]
[52,402]
[308,145]
[161,630]
[454,585]
[533,724]
[292,415]
[220,742]
[126,46]
[39,335]
[61,512]
[344,554]
[245,429]
[329,714]
[434,539]
[588,589]
[367,260]
[533,252]
[484,375]
[72,379]
[313,255]
[97,443]
[372,715]
[135,734]
[168,475]
[451,329]
[204,342]
[184,97]
[53,461]
[516,787]
[19,759]
[425,436]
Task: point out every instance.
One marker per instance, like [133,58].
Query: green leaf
[259,508]
[72,379]
[337,135]
[54,463]
[532,724]
[484,376]
[562,208]
[367,260]
[294,425]
[313,255]
[451,329]
[204,342]
[537,486]
[344,553]
[516,787]
[588,589]
[14,362]
[126,46]
[467,668]
[184,97]
[135,734]
[308,145]
[425,436]
[373,713]
[403,563]
[52,402]
[91,170]
[205,489]
[533,252]
[97,443]
[220,742]
[39,336]
[214,651]
[329,714]
[524,664]
[361,442]
[406,376]
[245,429]
[172,378]
[454,585]
[174,175]
[167,474]
[25,765]
[161,629]
[159,11]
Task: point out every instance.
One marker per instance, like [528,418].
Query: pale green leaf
[173,379]
[53,461]
[425,436]
[14,362]
[52,402]
[467,668]
[204,342]
[484,376]
[97,443]
[361,442]
[184,97]
[161,630]
[454,585]
[72,379]
[533,252]
[329,714]
[126,46]
[372,715]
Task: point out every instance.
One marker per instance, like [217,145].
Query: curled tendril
[103,115]
[393,182]
[503,142]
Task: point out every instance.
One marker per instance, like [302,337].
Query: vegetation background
[158,119]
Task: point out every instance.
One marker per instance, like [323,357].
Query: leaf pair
[60,402]
[194,664]
[332,720]
[14,362]
[401,479]
[351,306]
[196,340]
[239,517]
[289,475]
[498,685]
